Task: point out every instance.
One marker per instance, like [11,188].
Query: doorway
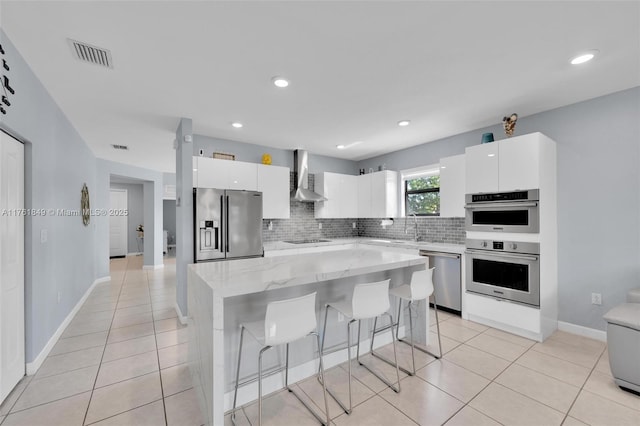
[118,223]
[12,338]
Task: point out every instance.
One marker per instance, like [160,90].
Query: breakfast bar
[221,295]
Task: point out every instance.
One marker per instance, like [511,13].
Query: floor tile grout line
[164,405]
[48,402]
[16,400]
[582,388]
[86,413]
[118,414]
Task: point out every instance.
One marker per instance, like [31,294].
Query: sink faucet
[415,226]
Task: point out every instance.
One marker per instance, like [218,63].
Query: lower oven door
[508,276]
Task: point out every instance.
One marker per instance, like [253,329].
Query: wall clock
[5,91]
[85,205]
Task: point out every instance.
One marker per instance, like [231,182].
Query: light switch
[43,236]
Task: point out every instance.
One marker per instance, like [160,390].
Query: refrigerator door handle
[226,224]
[222,229]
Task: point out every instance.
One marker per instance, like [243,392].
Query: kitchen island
[224,294]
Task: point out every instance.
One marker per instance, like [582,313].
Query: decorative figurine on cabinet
[509,124]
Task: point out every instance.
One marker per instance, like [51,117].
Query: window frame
[419,172]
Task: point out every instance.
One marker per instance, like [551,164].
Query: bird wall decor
[509,124]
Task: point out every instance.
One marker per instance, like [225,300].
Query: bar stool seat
[285,321]
[369,300]
[421,288]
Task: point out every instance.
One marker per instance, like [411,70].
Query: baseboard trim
[591,333]
[33,366]
[134,254]
[152,267]
[181,318]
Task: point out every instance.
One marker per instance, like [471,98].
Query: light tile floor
[122,361]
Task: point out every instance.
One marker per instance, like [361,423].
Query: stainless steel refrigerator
[228,224]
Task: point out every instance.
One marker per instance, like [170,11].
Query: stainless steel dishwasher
[446,278]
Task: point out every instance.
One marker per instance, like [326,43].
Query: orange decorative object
[266,159]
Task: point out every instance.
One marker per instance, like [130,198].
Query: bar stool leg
[324,385]
[413,345]
[395,355]
[262,351]
[321,376]
[235,391]
[418,347]
[435,308]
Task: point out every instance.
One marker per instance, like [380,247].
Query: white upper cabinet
[519,166]
[482,168]
[506,165]
[273,182]
[452,186]
[378,194]
[195,172]
[364,195]
[341,192]
[226,174]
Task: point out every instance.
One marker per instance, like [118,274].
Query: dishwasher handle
[439,254]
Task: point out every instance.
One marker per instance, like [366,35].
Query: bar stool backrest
[370,299]
[422,284]
[289,320]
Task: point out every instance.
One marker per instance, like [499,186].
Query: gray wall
[169,217]
[598,147]
[135,216]
[57,163]
[279,157]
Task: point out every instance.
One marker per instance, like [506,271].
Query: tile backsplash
[432,229]
[303,225]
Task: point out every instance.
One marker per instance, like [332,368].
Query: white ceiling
[356,68]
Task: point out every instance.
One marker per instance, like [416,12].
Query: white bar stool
[421,288]
[369,300]
[285,321]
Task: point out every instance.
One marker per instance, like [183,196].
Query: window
[422,193]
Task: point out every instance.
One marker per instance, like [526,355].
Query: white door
[12,362]
[118,224]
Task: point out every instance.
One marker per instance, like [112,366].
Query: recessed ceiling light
[403,123]
[236,124]
[584,57]
[280,82]
[349,145]
[491,155]
[340,146]
[443,167]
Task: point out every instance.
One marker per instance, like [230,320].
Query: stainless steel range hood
[301,191]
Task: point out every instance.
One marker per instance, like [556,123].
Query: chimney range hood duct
[301,169]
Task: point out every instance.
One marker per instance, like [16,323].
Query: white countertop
[419,245]
[246,276]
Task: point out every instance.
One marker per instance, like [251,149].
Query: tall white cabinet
[519,163]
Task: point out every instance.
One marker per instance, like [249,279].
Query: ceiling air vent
[92,54]
[122,147]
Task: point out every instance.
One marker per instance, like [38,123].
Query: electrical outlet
[353,225]
[270,226]
[596,299]
[319,225]
[59,296]
[340,317]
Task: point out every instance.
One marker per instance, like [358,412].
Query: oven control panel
[504,246]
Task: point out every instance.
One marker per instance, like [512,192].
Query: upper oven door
[510,276]
[503,217]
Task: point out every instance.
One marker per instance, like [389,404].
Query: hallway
[122,359]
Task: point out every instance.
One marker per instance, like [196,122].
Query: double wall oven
[499,264]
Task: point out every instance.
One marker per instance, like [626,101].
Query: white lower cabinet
[273,182]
